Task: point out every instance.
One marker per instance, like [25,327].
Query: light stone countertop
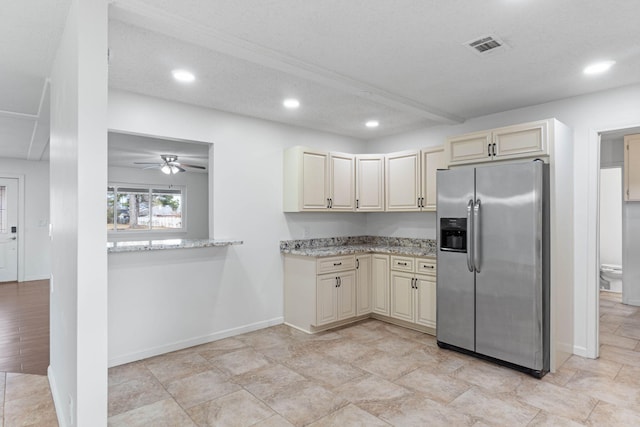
[154,245]
[350,245]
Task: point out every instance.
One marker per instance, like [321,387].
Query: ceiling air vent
[485,45]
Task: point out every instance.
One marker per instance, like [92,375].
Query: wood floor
[24,327]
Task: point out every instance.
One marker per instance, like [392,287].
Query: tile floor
[367,374]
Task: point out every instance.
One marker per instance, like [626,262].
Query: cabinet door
[342,182]
[346,295]
[403,181]
[525,140]
[326,299]
[432,160]
[370,183]
[468,148]
[425,301]
[380,284]
[315,180]
[402,296]
[632,167]
[363,279]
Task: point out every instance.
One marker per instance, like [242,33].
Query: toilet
[611,277]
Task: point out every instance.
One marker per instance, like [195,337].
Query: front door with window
[8,229]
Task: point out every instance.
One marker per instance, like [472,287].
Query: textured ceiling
[402,62]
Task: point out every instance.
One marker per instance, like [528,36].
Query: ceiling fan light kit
[170,165]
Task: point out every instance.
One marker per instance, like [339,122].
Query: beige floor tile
[608,338]
[240,361]
[236,409]
[345,349]
[545,419]
[200,388]
[494,378]
[216,348]
[363,332]
[606,389]
[637,347]
[396,345]
[130,371]
[557,400]
[351,416]
[137,392]
[561,376]
[173,366]
[437,386]
[164,413]
[371,389]
[386,365]
[607,414]
[33,409]
[602,367]
[323,370]
[620,355]
[629,375]
[269,380]
[273,421]
[417,410]
[629,330]
[400,332]
[494,409]
[264,339]
[304,402]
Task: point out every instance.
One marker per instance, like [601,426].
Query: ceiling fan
[169,165]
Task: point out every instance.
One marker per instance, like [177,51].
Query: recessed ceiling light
[372,124]
[599,67]
[291,103]
[183,76]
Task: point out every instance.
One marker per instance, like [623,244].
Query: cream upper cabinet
[370,182]
[318,181]
[632,168]
[510,142]
[363,284]
[342,184]
[468,148]
[432,160]
[403,181]
[380,284]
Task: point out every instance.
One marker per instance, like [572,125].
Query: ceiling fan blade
[147,163]
[179,168]
[152,167]
[193,166]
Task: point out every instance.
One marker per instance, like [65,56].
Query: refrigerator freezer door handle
[470,235]
[476,236]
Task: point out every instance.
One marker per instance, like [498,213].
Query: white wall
[586,115]
[78,177]
[197,200]
[611,216]
[224,289]
[37,248]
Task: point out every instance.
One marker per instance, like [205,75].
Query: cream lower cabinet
[363,284]
[413,290]
[336,297]
[380,284]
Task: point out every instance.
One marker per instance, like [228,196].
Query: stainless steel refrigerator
[493,263]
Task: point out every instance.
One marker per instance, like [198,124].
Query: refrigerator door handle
[476,236]
[470,235]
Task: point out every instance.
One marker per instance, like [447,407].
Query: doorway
[8,229]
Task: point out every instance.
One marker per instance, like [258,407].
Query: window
[145,208]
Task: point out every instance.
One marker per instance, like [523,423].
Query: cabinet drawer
[336,263]
[426,266]
[402,263]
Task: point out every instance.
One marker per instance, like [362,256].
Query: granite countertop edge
[154,245]
[353,249]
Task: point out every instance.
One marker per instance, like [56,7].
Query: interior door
[8,229]
[509,277]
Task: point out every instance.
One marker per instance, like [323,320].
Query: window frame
[150,191]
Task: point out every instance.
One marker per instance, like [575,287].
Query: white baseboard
[36,277]
[182,344]
[58,401]
[635,302]
[580,351]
